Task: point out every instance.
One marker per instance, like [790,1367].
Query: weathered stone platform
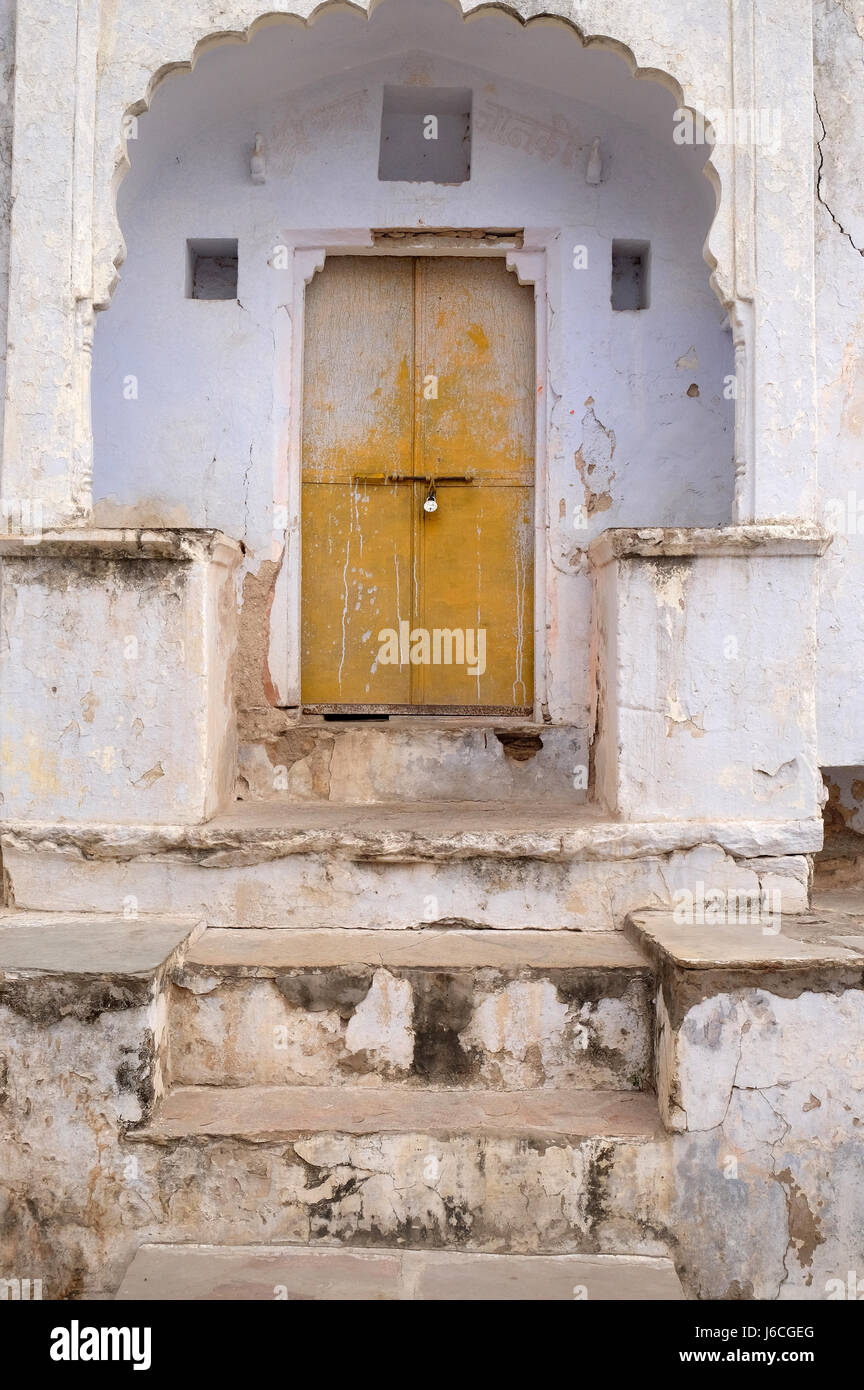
[390,867]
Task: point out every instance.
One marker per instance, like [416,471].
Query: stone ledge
[625,543]
[56,965]
[182,545]
[247,1272]
[274,1114]
[811,953]
[257,833]
[742,947]
[89,943]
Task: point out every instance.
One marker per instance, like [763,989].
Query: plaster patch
[381,1024]
[524,1015]
[594,461]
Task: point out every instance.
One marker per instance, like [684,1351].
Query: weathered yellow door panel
[358,369]
[356,581]
[475,333]
[475,572]
[418,369]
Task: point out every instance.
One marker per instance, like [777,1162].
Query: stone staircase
[430,1113]
[467,1092]
[395,1048]
[345,1112]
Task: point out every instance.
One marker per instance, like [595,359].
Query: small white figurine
[595,164]
[258,163]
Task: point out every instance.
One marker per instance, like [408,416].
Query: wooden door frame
[306,255]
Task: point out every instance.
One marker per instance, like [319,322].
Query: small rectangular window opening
[630,274]
[425,135]
[211,268]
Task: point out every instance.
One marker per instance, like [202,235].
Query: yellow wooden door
[418,378]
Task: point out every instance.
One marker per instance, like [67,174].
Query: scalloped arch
[109,245]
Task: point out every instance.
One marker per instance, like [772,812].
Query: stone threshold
[410,723]
[274,1114]
[208,1273]
[256,832]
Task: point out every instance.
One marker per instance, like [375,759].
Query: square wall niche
[425,135]
[211,268]
[631,265]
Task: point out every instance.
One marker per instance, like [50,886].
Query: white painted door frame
[305,256]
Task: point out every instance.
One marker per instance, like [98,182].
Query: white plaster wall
[838,84]
[115,700]
[706,705]
[772,1123]
[7,60]
[200,442]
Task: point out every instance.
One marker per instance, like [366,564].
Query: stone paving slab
[298,1273]
[264,1113]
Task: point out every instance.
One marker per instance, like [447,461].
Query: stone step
[409,759]
[532,864]
[274,1113]
[529,1172]
[209,1273]
[502,1009]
